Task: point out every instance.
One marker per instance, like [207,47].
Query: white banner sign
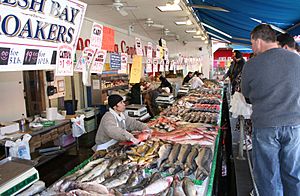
[124,65]
[149,50]
[96,36]
[167,65]
[155,65]
[166,50]
[64,65]
[172,65]
[162,66]
[85,59]
[149,66]
[138,46]
[32,31]
[157,51]
[99,61]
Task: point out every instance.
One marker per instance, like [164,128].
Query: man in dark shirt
[271,81]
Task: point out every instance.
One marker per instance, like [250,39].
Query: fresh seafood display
[173,159]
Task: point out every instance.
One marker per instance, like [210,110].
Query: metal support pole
[241,153]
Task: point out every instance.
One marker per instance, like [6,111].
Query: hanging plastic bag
[19,148]
[78,126]
[239,106]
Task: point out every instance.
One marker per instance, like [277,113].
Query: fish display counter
[178,158]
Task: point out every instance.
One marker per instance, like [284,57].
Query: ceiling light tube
[221,38]
[191,31]
[198,32]
[217,30]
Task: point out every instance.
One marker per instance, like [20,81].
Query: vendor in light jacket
[114,125]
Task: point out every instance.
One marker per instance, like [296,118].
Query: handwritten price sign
[96,36]
[64,66]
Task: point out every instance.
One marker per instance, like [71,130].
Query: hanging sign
[96,36]
[149,66]
[138,47]
[161,53]
[172,65]
[124,60]
[32,31]
[108,41]
[99,61]
[155,65]
[149,50]
[162,66]
[136,69]
[157,51]
[85,59]
[64,65]
[166,55]
[167,65]
[115,61]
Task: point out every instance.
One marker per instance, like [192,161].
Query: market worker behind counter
[114,125]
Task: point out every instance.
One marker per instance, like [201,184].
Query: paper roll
[51,113]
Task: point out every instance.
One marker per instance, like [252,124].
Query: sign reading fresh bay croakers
[31,32]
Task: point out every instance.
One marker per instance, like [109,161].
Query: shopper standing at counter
[114,125]
[287,42]
[271,82]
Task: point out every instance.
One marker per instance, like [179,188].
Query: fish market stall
[178,157]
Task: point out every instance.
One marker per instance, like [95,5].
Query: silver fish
[155,188]
[190,161]
[118,180]
[163,153]
[88,167]
[178,190]
[96,171]
[189,187]
[94,187]
[174,153]
[183,153]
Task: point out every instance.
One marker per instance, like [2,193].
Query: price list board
[17,59]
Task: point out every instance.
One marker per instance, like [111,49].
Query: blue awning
[243,16]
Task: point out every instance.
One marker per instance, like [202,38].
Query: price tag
[99,61]
[149,66]
[4,55]
[64,66]
[96,36]
[31,56]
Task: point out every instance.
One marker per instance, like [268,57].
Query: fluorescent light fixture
[197,36]
[180,22]
[169,8]
[189,22]
[198,32]
[191,31]
[206,42]
[272,26]
[216,36]
[217,30]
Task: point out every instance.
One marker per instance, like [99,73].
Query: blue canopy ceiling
[244,15]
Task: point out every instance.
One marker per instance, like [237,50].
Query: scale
[16,175]
[87,112]
[184,90]
[165,99]
[137,111]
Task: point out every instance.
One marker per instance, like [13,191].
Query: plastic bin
[69,106]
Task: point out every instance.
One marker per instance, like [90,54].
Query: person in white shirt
[196,81]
